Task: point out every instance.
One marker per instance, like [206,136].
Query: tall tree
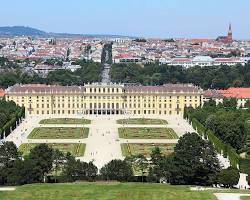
[117,170]
[194,161]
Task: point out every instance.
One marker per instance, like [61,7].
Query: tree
[75,170]
[69,168]
[161,171]
[194,161]
[58,161]
[229,177]
[41,156]
[117,170]
[230,103]
[140,162]
[229,126]
[156,156]
[85,171]
[8,157]
[247,104]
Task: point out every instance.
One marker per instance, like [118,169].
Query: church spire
[230,33]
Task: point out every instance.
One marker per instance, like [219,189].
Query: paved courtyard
[103,142]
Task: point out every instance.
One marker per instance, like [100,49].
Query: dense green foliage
[36,166]
[106,56]
[224,120]
[89,72]
[194,162]
[117,170]
[229,177]
[10,113]
[76,170]
[206,77]
[5,63]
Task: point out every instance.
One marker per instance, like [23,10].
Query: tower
[230,33]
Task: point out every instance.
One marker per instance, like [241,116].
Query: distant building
[241,94]
[228,38]
[43,70]
[203,61]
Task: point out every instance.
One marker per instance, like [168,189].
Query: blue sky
[148,18]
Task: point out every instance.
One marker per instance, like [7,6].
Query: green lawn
[109,191]
[59,133]
[245,198]
[105,192]
[65,121]
[145,149]
[77,150]
[147,133]
[142,121]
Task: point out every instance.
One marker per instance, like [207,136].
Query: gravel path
[229,196]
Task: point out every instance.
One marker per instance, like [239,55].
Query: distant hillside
[20,30]
[28,31]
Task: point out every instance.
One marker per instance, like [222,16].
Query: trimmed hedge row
[219,145]
[11,124]
[245,166]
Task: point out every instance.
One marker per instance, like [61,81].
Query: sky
[143,18]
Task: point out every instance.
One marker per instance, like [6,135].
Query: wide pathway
[229,196]
[103,142]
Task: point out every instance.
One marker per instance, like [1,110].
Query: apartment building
[105,99]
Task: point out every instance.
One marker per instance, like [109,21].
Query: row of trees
[89,72]
[41,162]
[106,56]
[10,115]
[225,120]
[217,77]
[193,162]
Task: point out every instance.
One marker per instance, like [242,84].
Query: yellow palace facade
[105,99]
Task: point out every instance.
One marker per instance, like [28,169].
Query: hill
[20,30]
[28,31]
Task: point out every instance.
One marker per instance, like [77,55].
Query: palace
[105,99]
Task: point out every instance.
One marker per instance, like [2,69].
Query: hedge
[12,123]
[245,166]
[219,145]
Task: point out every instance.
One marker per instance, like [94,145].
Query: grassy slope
[105,192]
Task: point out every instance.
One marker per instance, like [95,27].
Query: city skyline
[175,19]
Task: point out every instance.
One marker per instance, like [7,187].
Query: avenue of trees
[193,162]
[225,120]
[216,77]
[227,127]
[106,56]
[10,114]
